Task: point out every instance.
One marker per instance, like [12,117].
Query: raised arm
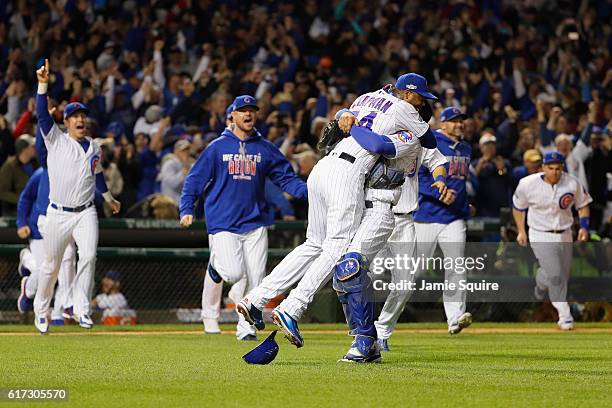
[45,121]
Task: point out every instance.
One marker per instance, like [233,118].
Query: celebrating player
[73,163]
[549,197]
[232,172]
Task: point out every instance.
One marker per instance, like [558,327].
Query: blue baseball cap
[553,157]
[245,100]
[451,113]
[264,353]
[114,275]
[229,110]
[74,107]
[414,83]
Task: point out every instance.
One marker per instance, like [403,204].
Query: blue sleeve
[199,175]
[101,186]
[373,142]
[41,149]
[27,198]
[321,108]
[275,197]
[283,175]
[425,182]
[547,136]
[45,121]
[585,135]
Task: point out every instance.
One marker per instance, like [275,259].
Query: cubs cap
[114,275]
[487,138]
[532,156]
[229,110]
[244,100]
[74,107]
[264,353]
[553,157]
[451,113]
[414,83]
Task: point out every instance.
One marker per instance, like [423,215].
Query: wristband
[340,112]
[584,222]
[441,178]
[108,197]
[42,88]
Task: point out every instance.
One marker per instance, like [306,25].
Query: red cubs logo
[566,200]
[405,136]
[94,163]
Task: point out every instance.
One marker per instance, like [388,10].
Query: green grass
[423,369]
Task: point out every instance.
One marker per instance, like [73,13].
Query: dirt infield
[475,330]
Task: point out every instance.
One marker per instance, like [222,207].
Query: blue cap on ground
[264,353]
[414,83]
[451,113]
[74,107]
[553,157]
[245,100]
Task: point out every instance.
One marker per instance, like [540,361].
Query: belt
[552,231]
[347,157]
[370,204]
[408,213]
[72,209]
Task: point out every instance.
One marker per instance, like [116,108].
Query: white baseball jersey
[409,200]
[550,205]
[71,169]
[386,114]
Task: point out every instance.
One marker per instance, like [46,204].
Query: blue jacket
[27,210]
[232,174]
[431,209]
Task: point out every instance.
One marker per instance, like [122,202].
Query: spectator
[491,178]
[7,146]
[174,170]
[112,303]
[532,163]
[150,122]
[15,172]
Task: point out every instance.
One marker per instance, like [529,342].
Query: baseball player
[73,162]
[549,197]
[30,215]
[377,110]
[444,222]
[231,172]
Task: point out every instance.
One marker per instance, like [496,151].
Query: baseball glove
[330,136]
[425,111]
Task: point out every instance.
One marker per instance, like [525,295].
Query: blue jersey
[27,210]
[232,174]
[431,209]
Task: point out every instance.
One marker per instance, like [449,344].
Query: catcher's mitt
[330,136]
[425,111]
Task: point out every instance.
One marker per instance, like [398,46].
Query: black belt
[370,204]
[72,209]
[556,231]
[347,157]
[408,213]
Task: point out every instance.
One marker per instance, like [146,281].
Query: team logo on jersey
[566,200]
[242,166]
[95,159]
[405,136]
[458,166]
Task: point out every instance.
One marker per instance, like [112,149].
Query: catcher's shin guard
[354,288]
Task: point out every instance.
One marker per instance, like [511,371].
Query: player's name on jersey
[424,285]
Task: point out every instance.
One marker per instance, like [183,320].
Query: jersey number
[368,120]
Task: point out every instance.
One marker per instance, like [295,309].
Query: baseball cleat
[566,325]
[356,356]
[251,314]
[211,326]
[24,303]
[42,324]
[22,270]
[383,344]
[288,326]
[68,313]
[248,337]
[465,320]
[85,322]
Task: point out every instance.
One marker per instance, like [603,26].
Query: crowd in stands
[158,76]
